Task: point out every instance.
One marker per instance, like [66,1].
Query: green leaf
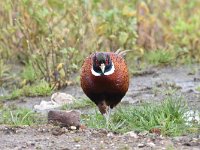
[123,36]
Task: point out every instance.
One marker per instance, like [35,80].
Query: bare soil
[151,85]
[49,137]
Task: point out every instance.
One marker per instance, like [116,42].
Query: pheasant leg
[107,116]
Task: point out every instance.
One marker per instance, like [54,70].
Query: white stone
[62,98]
[110,134]
[77,145]
[46,105]
[192,116]
[58,99]
[140,145]
[151,144]
[73,128]
[132,134]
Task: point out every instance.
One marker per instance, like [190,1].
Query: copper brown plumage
[104,79]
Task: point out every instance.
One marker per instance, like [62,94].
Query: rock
[82,127]
[30,143]
[143,133]
[43,130]
[132,134]
[73,128]
[110,134]
[178,138]
[191,144]
[196,79]
[77,145]
[58,131]
[192,116]
[151,144]
[46,105]
[62,98]
[156,131]
[57,100]
[64,118]
[140,145]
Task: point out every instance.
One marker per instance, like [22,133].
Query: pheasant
[105,80]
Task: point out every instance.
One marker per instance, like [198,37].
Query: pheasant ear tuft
[122,52]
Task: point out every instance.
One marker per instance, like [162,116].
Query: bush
[51,39]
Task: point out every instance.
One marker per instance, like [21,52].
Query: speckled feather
[107,89]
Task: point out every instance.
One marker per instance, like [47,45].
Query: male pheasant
[105,80]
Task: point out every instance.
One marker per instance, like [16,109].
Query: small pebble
[77,145]
[72,131]
[82,127]
[132,134]
[151,144]
[30,143]
[143,133]
[73,128]
[140,145]
[24,146]
[110,134]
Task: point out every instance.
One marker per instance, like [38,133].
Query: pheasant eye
[97,62]
[107,62]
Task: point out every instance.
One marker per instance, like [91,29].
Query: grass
[28,74]
[19,116]
[198,88]
[22,116]
[40,89]
[79,103]
[159,57]
[168,117]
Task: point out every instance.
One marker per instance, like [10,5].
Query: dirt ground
[151,85]
[48,137]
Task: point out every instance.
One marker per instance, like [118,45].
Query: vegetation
[43,44]
[20,116]
[198,88]
[159,57]
[79,103]
[167,118]
[39,89]
[49,39]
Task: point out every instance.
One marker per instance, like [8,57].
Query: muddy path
[151,85]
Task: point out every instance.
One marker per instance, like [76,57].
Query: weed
[198,88]
[167,116]
[94,120]
[19,116]
[3,70]
[159,57]
[29,74]
[15,94]
[39,89]
[77,139]
[79,103]
[170,147]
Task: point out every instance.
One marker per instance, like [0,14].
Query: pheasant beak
[102,67]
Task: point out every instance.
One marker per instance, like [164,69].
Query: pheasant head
[102,64]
